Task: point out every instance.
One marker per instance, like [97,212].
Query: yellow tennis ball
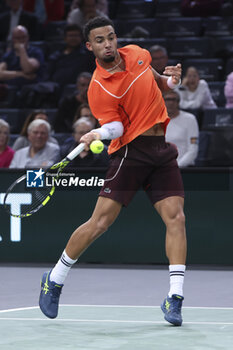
[97,146]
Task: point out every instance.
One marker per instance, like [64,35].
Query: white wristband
[170,83]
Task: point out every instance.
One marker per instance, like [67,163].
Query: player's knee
[177,217]
[180,217]
[103,224]
[100,226]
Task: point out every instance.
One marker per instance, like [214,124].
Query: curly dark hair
[96,22]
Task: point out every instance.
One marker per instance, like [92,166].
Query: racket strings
[22,200]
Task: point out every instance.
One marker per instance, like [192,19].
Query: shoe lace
[55,292]
[176,305]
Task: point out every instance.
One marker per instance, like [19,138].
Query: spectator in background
[87,9]
[23,64]
[102,6]
[46,10]
[182,130]
[194,92]
[23,141]
[84,111]
[40,152]
[85,158]
[6,153]
[159,58]
[66,64]
[228,91]
[69,104]
[17,16]
[74,5]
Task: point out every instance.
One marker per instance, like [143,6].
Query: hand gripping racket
[36,197]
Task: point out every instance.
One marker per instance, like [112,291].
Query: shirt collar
[104,73]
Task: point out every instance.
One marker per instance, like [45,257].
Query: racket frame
[60,166]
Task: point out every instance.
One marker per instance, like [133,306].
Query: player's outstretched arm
[170,78]
[108,131]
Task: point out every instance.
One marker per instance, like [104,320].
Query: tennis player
[125,96]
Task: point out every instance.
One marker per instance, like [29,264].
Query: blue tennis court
[116,308]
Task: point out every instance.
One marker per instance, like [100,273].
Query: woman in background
[85,111]
[6,153]
[194,92]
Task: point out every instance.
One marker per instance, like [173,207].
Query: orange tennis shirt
[131,96]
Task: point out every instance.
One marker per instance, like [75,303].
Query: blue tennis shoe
[172,309]
[49,296]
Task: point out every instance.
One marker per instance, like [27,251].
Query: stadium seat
[182,26]
[203,142]
[112,8]
[189,47]
[61,137]
[217,92]
[219,151]
[13,137]
[145,43]
[51,112]
[152,25]
[229,66]
[222,47]
[52,46]
[135,9]
[217,26]
[168,8]
[217,118]
[39,44]
[68,90]
[209,69]
[15,117]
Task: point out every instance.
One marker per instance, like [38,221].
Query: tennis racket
[36,198]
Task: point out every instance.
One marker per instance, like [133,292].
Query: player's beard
[109,59]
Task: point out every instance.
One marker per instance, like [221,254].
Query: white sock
[61,269]
[176,279]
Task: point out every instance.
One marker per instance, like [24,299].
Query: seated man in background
[23,141]
[40,153]
[66,64]
[14,16]
[70,104]
[86,158]
[182,130]
[159,58]
[23,64]
[87,9]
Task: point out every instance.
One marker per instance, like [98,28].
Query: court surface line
[119,306]
[111,321]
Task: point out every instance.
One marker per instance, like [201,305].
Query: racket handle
[76,151]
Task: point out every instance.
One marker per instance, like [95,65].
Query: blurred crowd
[45,66]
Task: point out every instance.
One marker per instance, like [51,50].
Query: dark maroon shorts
[148,162]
